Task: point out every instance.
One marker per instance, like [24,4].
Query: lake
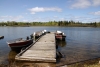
[82,43]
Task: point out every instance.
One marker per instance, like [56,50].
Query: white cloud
[55,16]
[81,4]
[4,16]
[76,18]
[94,19]
[25,20]
[97,19]
[43,9]
[96,13]
[1,19]
[17,18]
[26,13]
[96,2]
[84,19]
[84,3]
[11,18]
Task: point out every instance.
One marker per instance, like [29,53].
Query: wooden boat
[37,34]
[40,33]
[19,43]
[1,37]
[60,35]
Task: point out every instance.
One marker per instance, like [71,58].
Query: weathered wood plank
[43,50]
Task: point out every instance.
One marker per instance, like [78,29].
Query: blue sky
[50,10]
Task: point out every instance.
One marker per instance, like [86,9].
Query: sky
[85,11]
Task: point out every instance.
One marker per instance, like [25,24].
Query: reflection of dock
[61,43]
[44,50]
[11,58]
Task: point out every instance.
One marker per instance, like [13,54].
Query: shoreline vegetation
[51,23]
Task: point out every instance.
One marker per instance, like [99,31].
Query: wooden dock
[43,50]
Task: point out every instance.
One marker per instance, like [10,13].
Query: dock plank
[43,50]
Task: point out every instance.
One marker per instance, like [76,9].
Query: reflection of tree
[61,43]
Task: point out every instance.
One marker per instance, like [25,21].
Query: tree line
[51,23]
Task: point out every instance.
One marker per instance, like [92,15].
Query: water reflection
[61,43]
[59,54]
[11,57]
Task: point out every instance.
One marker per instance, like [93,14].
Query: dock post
[34,36]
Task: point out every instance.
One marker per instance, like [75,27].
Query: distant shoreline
[49,26]
[50,23]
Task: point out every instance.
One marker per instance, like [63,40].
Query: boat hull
[20,45]
[60,37]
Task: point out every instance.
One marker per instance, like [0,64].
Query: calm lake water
[82,43]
